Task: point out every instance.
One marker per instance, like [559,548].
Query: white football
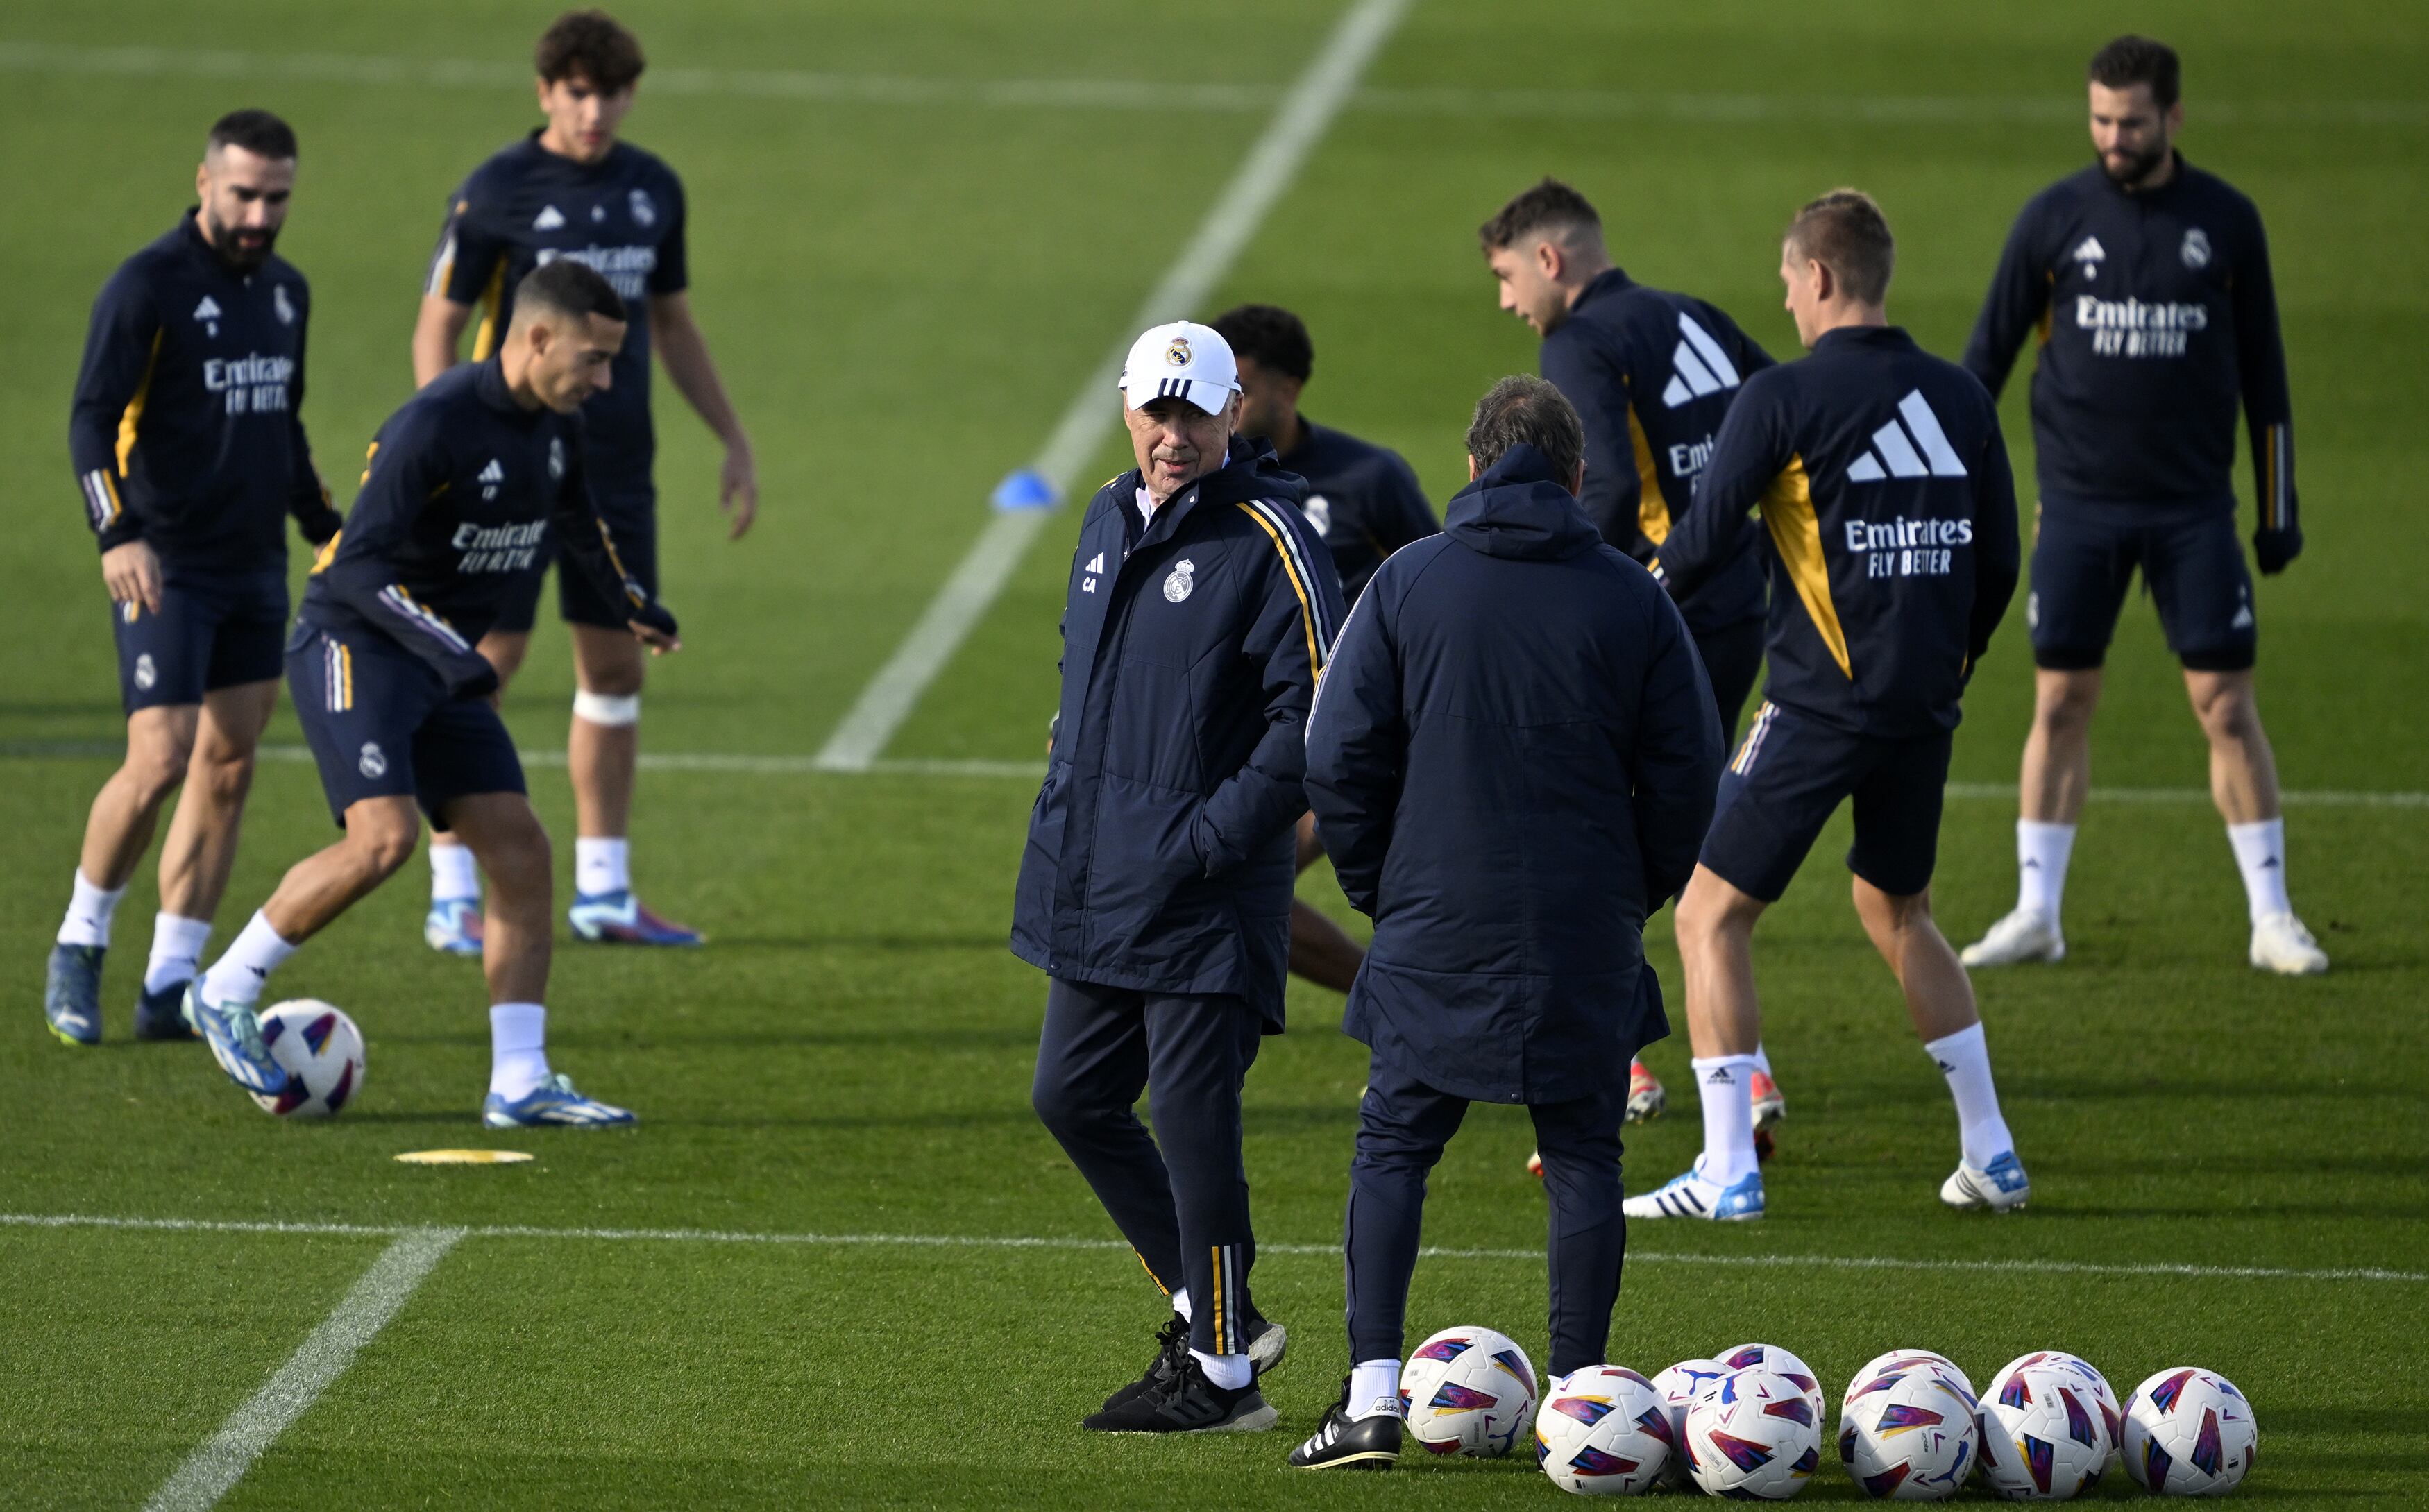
[2188,1432]
[1678,1386]
[1773,1357]
[322,1052]
[2042,1439]
[1603,1431]
[1910,1435]
[1469,1391]
[1753,1434]
[1898,1360]
[2112,1414]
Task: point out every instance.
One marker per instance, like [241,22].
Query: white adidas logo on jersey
[1891,446]
[548,219]
[1700,367]
[2090,251]
[489,478]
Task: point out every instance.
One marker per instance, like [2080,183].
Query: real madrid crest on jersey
[1177,586]
[1318,510]
[278,301]
[2195,251]
[645,210]
[556,457]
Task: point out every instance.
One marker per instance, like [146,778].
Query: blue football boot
[453,926]
[161,1015]
[71,993]
[2001,1186]
[618,918]
[552,1102]
[1693,1196]
[233,1031]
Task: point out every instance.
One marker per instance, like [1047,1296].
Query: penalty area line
[213,1470]
[2123,1269]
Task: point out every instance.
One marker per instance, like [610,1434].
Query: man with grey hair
[1511,761]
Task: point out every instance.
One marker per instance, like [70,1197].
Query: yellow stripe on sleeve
[1290,570]
[1652,509]
[133,414]
[493,299]
[1796,534]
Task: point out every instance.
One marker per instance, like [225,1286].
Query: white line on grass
[783,766]
[60,60]
[210,1471]
[1268,169]
[990,1242]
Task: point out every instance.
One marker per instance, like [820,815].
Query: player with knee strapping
[1882,486]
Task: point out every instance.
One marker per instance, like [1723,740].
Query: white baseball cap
[1182,360]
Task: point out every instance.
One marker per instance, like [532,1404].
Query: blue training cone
[1025,488]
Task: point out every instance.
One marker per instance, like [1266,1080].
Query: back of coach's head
[1523,409]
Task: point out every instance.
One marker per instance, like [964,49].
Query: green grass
[903,299]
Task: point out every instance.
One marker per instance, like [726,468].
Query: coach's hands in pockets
[132,574]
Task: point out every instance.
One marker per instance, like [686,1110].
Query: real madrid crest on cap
[1180,360]
[1178,353]
[1177,586]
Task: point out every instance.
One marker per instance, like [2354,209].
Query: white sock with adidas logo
[2260,854]
[1722,1082]
[1964,1059]
[2042,851]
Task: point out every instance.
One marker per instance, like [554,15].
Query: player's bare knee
[155,768]
[223,776]
[382,841]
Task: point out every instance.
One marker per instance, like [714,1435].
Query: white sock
[245,969]
[2260,854]
[1374,1388]
[601,866]
[518,1048]
[177,950]
[2041,853]
[1180,1303]
[90,911]
[455,878]
[1723,1083]
[1229,1372]
[1964,1059]
[1762,1059]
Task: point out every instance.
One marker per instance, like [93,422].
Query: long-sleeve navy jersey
[1652,374]
[1883,486]
[188,430]
[1362,499]
[2155,312]
[623,216]
[463,492]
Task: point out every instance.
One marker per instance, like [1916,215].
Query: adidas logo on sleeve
[1919,449]
[1700,367]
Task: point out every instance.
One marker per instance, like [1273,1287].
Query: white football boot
[2001,1187]
[2280,944]
[2027,934]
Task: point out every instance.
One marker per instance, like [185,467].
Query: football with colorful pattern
[2043,1437]
[1753,1434]
[1678,1386]
[1469,1391]
[322,1052]
[2112,1413]
[1910,1435]
[1604,1431]
[2188,1432]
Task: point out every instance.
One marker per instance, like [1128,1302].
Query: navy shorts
[632,517]
[1792,774]
[381,724]
[214,630]
[2083,558]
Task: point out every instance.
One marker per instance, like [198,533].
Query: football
[2188,1432]
[1469,1391]
[1753,1434]
[1908,1433]
[2042,1439]
[1677,1387]
[322,1052]
[1898,1360]
[1604,1431]
[2112,1415]
[1773,1357]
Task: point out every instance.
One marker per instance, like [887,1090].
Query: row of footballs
[1750,1423]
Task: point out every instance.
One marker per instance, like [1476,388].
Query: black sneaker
[1344,1442]
[1188,1403]
[1171,1348]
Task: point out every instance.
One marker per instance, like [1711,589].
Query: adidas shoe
[2001,1186]
[234,1033]
[2027,934]
[554,1101]
[1268,1342]
[1189,1402]
[2280,944]
[1770,1104]
[161,1015]
[618,918]
[1646,1098]
[453,927]
[1691,1196]
[1369,1441]
[71,993]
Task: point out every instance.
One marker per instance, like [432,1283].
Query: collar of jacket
[489,382]
[1610,281]
[1887,338]
[200,248]
[1249,471]
[1516,510]
[2150,196]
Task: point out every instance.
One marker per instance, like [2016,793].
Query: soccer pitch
[839,1263]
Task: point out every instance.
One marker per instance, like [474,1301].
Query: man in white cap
[1156,887]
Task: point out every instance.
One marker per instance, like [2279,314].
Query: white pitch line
[211,1470]
[1306,113]
[990,1242]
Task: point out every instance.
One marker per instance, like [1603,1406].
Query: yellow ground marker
[463,1156]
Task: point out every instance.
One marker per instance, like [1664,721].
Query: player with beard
[1366,503]
[188,439]
[2148,281]
[573,189]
